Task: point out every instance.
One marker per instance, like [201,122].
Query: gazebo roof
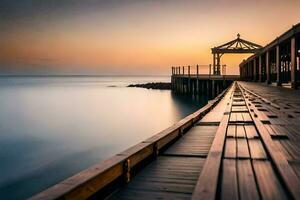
[237,46]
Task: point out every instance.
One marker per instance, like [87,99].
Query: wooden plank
[261,116]
[279,130]
[132,194]
[167,177]
[257,150]
[229,186]
[296,167]
[238,103]
[207,183]
[206,187]
[237,99]
[282,166]
[85,183]
[242,148]
[233,117]
[138,153]
[231,131]
[270,130]
[170,187]
[240,131]
[251,131]
[196,142]
[268,183]
[246,181]
[247,117]
[230,148]
[239,109]
[239,117]
[292,148]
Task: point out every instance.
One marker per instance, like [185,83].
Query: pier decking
[242,145]
[235,150]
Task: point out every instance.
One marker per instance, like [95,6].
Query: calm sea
[54,127]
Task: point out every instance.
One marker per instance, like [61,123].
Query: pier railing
[196,70]
[198,79]
[102,179]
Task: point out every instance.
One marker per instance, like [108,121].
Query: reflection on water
[51,128]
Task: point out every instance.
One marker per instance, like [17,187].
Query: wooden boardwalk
[245,148]
[242,145]
[175,173]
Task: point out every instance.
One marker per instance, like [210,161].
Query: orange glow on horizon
[145,37]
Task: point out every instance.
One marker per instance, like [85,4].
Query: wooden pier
[209,85]
[241,145]
[244,144]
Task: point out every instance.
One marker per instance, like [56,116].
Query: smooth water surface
[54,127]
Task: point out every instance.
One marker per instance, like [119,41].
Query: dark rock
[158,86]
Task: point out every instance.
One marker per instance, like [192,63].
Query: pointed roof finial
[238,35]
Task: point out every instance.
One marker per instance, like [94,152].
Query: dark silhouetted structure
[235,46]
[278,62]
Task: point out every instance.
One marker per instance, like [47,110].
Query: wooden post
[214,63]
[254,69]
[278,66]
[172,79]
[241,73]
[259,68]
[218,64]
[189,79]
[197,83]
[293,62]
[249,70]
[268,67]
[209,70]
[213,89]
[208,88]
[179,70]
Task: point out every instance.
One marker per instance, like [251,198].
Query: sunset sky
[131,36]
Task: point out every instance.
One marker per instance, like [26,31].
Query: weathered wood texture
[193,146]
[252,166]
[168,177]
[280,141]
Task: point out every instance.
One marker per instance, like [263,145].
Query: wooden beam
[254,70]
[293,62]
[268,68]
[278,65]
[207,183]
[260,68]
[242,51]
